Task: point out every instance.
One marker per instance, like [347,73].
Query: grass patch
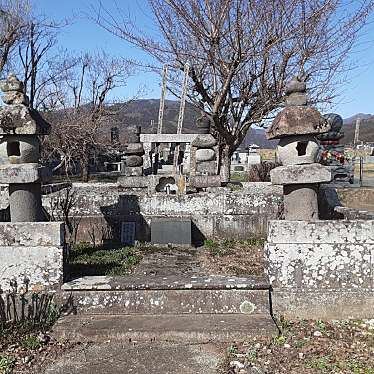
[225,247]
[88,260]
[239,177]
[6,364]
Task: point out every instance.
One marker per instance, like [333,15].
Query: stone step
[198,295]
[197,328]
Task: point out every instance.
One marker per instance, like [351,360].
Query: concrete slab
[145,358]
[171,282]
[195,328]
[151,302]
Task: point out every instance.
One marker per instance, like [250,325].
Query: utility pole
[181,114]
[162,100]
[357,132]
[160,116]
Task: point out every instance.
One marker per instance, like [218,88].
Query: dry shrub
[261,172]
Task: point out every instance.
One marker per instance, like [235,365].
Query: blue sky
[84,36]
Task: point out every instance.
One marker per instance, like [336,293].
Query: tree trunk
[225,164]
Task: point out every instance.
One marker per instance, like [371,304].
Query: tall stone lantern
[20,128]
[297,127]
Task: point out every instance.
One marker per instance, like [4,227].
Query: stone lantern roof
[16,117]
[297,118]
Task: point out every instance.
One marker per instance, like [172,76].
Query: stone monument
[134,156]
[29,249]
[297,127]
[20,128]
[204,156]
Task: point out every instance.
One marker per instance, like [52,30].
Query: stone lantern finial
[13,90]
[296,93]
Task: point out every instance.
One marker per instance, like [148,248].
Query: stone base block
[205,154]
[134,161]
[135,171]
[31,253]
[204,141]
[323,255]
[300,174]
[23,173]
[203,181]
[207,167]
[301,202]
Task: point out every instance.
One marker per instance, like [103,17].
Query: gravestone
[171,230]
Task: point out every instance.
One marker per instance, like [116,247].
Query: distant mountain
[366,128]
[356,116]
[141,112]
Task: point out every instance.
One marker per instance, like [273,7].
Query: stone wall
[101,207]
[322,269]
[32,254]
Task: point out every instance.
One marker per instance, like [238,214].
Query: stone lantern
[134,155]
[297,127]
[20,128]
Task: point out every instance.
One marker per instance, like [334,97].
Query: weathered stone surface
[300,174]
[297,120]
[168,301]
[23,173]
[204,141]
[203,155]
[133,161]
[135,149]
[203,125]
[11,84]
[202,181]
[324,305]
[19,119]
[320,266]
[300,202]
[186,328]
[331,255]
[28,147]
[207,167]
[15,98]
[296,99]
[32,234]
[319,232]
[297,150]
[135,171]
[295,86]
[25,201]
[41,265]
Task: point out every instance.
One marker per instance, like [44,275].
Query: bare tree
[83,110]
[14,16]
[242,53]
[40,62]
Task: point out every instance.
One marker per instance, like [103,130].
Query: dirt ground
[308,347]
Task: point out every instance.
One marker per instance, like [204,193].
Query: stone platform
[322,269]
[169,296]
[32,253]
